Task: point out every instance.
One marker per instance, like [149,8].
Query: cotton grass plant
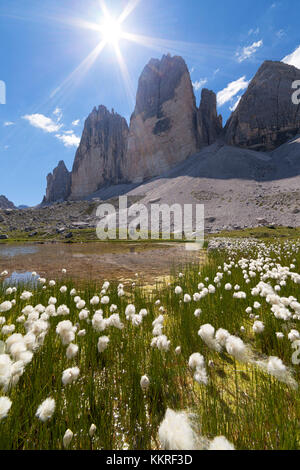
[113,366]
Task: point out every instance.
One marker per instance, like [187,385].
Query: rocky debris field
[229,205]
[46,222]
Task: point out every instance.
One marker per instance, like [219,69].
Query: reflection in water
[21,278]
[12,250]
[97,261]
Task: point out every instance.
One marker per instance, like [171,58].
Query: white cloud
[58,113]
[231,90]
[69,139]
[199,83]
[248,51]
[8,123]
[42,122]
[216,71]
[253,31]
[76,122]
[293,58]
[235,105]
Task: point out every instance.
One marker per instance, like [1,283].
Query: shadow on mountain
[222,162]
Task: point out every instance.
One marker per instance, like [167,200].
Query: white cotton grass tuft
[129,311]
[176,431]
[221,336]
[145,382]
[92,430]
[197,363]
[66,331]
[63,310]
[70,375]
[5,306]
[5,371]
[196,360]
[220,443]
[72,351]
[201,376]
[115,321]
[258,327]
[276,368]
[294,335]
[238,349]
[26,295]
[95,300]
[98,322]
[161,342]
[46,410]
[67,439]
[103,343]
[207,334]
[5,406]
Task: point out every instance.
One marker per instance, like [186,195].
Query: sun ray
[81,70]
[76,22]
[130,7]
[104,9]
[126,77]
[179,47]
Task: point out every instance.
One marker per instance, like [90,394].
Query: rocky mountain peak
[5,203]
[58,184]
[100,156]
[210,125]
[266,116]
[159,137]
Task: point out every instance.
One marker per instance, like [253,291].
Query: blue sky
[48,97]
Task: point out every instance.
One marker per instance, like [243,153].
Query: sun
[111,30]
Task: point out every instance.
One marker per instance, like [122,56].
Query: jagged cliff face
[166,127]
[266,117]
[58,184]
[210,125]
[163,128]
[5,203]
[100,158]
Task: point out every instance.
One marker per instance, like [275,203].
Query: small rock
[210,220]
[261,221]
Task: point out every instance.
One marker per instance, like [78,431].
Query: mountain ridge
[166,128]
